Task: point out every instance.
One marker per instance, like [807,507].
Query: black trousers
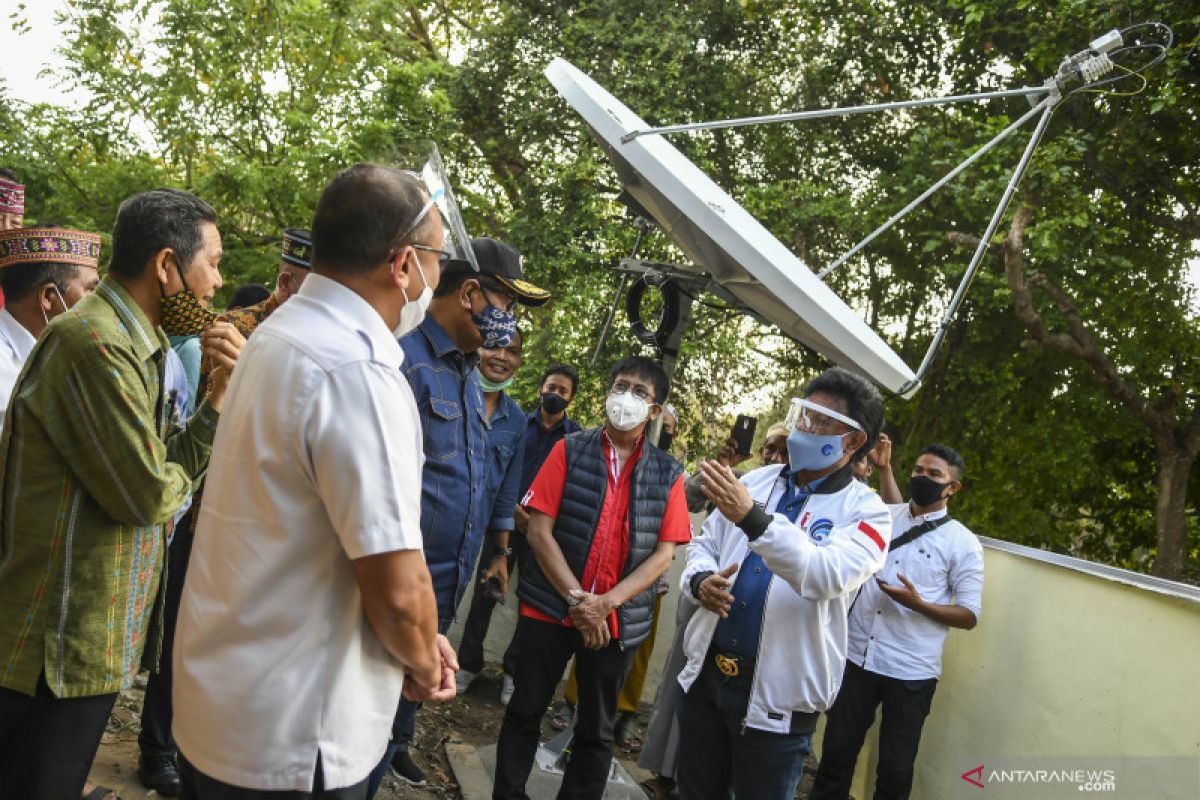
[47,744]
[479,616]
[719,757]
[905,706]
[155,738]
[195,785]
[544,649]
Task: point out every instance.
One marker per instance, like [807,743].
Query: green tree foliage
[254,103]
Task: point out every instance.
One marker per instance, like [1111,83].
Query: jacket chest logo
[819,531]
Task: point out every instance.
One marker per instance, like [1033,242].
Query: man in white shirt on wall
[308,605]
[932,581]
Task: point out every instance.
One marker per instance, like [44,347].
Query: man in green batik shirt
[94,462]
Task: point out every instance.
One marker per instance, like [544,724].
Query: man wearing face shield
[775,571]
[933,581]
[606,512]
[467,311]
[308,607]
[39,283]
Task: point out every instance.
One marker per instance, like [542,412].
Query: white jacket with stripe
[838,541]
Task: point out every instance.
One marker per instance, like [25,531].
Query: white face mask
[61,299]
[626,411]
[413,313]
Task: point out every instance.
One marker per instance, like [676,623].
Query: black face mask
[553,403]
[665,440]
[925,491]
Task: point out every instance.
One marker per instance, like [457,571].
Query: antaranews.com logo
[1084,780]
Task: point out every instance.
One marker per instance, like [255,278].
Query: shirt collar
[441,343]
[932,515]
[147,337]
[22,340]
[535,418]
[355,312]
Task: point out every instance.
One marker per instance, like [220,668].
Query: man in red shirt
[606,511]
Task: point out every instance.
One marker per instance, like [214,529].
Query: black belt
[732,666]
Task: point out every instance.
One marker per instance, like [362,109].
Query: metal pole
[1004,134]
[796,116]
[956,300]
[642,227]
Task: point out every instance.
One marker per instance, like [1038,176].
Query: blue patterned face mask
[498,327]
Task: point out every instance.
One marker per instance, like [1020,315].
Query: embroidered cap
[12,197]
[504,263]
[49,245]
[297,248]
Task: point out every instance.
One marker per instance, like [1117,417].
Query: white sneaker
[463,680]
[506,689]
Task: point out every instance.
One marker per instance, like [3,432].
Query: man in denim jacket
[469,310]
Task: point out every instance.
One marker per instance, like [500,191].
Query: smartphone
[743,433]
[491,589]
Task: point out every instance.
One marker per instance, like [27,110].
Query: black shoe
[404,768]
[160,774]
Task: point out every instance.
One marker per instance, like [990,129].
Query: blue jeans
[719,758]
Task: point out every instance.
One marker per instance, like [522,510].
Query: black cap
[502,262]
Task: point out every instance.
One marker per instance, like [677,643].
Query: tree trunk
[1170,520]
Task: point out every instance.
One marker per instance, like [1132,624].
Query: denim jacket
[506,450]
[454,505]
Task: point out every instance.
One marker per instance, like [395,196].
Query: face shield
[808,417]
[433,174]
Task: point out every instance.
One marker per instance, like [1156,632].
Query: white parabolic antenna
[726,241]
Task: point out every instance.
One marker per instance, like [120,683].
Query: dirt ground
[471,719]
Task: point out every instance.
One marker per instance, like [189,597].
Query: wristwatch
[502,551]
[573,600]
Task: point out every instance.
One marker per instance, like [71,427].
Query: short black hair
[364,213]
[647,368]
[9,175]
[566,370]
[863,402]
[949,455]
[151,221]
[458,273]
[248,294]
[21,280]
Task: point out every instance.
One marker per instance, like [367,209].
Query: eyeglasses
[507,305]
[621,387]
[443,256]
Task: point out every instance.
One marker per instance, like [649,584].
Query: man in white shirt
[43,272]
[308,605]
[932,581]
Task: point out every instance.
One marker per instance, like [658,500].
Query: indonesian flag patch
[873,534]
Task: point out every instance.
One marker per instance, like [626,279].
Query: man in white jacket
[766,652]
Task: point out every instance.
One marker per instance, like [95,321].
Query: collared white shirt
[317,461]
[946,566]
[16,343]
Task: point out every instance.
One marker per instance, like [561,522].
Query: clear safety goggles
[810,417]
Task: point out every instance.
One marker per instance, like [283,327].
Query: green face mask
[488,386]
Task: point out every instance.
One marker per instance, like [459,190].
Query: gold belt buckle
[728,666]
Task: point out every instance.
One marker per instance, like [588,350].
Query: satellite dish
[722,238]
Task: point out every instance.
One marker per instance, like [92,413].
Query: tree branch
[1079,343]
